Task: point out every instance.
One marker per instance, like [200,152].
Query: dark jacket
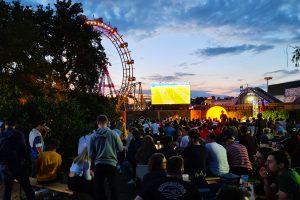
[16,145]
[194,160]
[168,151]
[134,145]
[249,142]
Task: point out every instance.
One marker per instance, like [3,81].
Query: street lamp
[267,79]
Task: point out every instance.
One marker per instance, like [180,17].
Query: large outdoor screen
[170,93]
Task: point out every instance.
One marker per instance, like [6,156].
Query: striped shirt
[237,156]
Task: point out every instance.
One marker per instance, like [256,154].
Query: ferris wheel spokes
[127,64]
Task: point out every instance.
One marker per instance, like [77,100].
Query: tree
[49,63]
[75,48]
[296,56]
[47,51]
[18,46]
[199,100]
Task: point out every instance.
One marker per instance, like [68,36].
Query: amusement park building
[220,102]
[288,92]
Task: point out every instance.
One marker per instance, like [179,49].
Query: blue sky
[216,45]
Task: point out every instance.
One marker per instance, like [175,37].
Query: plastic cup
[158,145]
[244,180]
[185,177]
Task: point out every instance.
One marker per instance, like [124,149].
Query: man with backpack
[13,156]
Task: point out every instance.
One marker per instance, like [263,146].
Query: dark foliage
[296,56]
[49,64]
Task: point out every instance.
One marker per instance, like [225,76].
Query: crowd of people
[177,156]
[266,150]
[16,163]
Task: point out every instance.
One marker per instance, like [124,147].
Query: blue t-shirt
[170,131]
[280,130]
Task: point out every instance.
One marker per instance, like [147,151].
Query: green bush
[276,114]
[68,119]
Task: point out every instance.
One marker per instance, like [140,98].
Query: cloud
[184,74]
[283,72]
[170,78]
[262,86]
[216,51]
[36,2]
[240,80]
[256,19]
[196,63]
[201,93]
[234,91]
[140,34]
[282,75]
[184,64]
[161,78]
[296,38]
[253,18]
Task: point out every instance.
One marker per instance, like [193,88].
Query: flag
[262,107]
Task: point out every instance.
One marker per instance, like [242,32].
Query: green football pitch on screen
[170,93]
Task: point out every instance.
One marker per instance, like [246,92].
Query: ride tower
[105,86]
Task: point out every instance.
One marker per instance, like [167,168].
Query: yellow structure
[215,112]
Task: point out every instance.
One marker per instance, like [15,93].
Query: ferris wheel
[126,61]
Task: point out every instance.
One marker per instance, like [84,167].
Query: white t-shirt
[154,128]
[252,130]
[217,163]
[32,135]
[84,142]
[184,141]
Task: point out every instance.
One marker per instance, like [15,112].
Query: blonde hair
[266,130]
[123,135]
[82,157]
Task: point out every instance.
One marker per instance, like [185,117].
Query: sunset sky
[216,45]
